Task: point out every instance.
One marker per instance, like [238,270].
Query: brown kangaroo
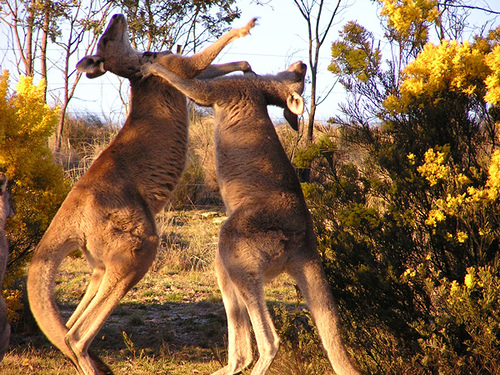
[269,229]
[110,212]
[6,211]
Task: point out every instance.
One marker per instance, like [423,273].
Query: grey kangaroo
[110,212]
[269,229]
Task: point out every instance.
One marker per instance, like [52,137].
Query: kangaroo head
[113,51]
[294,78]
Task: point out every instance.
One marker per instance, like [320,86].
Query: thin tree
[161,25]
[20,17]
[32,24]
[82,30]
[319,16]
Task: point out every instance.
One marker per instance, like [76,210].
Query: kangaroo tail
[314,286]
[48,256]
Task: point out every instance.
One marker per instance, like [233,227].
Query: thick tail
[314,286]
[47,258]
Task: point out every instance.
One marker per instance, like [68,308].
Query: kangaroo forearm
[217,70]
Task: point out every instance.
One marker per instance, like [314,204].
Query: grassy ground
[172,322]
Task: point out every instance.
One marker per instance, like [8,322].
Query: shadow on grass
[168,338]
[150,327]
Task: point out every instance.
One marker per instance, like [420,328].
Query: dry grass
[92,151]
[171,322]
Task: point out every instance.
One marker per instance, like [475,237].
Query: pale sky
[279,39]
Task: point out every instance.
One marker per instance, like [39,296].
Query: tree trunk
[60,128]
[45,36]
[312,110]
[28,56]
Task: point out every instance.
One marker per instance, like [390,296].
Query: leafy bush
[37,183]
[404,199]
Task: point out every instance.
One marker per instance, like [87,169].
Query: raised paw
[246,67]
[245,30]
[146,71]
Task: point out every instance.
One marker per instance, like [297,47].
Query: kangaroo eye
[105,40]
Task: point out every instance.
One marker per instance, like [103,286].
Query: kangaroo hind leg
[309,275]
[123,269]
[239,336]
[243,259]
[90,292]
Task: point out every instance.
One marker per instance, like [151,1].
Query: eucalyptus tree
[176,24]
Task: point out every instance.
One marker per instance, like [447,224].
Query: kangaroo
[6,211]
[269,229]
[110,212]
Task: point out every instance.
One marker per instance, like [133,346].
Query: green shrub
[37,183]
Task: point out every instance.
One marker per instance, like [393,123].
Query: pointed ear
[92,65]
[295,103]
[295,107]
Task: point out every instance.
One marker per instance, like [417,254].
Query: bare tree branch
[471,7]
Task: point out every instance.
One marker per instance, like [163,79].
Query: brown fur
[110,213]
[6,211]
[269,229]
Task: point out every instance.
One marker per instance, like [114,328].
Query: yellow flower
[461,236]
[492,82]
[13,299]
[409,273]
[463,179]
[469,281]
[493,182]
[435,216]
[434,169]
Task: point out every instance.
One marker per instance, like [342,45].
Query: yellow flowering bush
[493,80]
[37,184]
[472,208]
[13,297]
[418,244]
[434,169]
[449,66]
[411,18]
[466,313]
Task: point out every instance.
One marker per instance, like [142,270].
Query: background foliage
[404,197]
[38,185]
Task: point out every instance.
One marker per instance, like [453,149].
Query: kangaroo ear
[295,107]
[295,103]
[92,65]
